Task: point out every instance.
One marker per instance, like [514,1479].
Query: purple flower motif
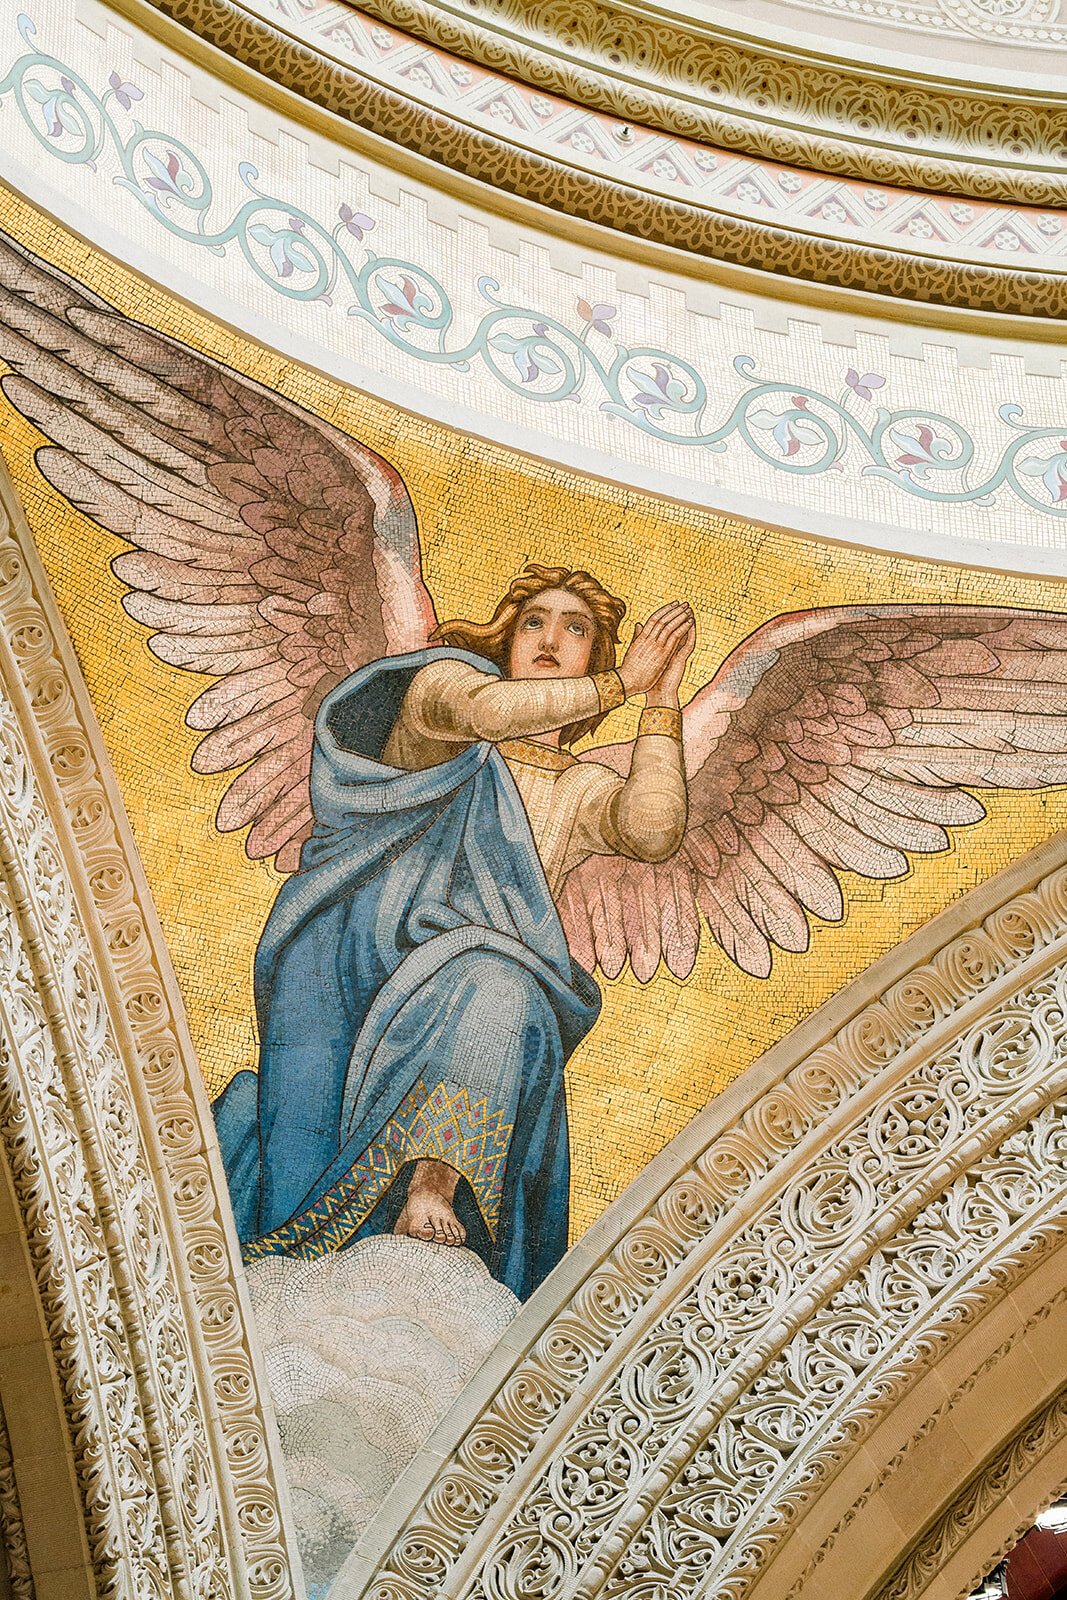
[1052,470]
[924,455]
[168,178]
[403,306]
[408,303]
[125,93]
[786,438]
[51,110]
[283,245]
[922,450]
[863,386]
[599,317]
[661,390]
[357,222]
[530,356]
[296,224]
[791,431]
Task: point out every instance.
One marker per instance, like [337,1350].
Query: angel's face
[553,637]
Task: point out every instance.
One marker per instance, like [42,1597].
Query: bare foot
[427,1212]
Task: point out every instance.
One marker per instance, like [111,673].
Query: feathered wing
[271,550]
[835,740]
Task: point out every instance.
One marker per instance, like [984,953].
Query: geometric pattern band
[438,1125]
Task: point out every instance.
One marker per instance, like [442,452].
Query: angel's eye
[531,622]
[579,628]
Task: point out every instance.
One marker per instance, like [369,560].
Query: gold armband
[661,720]
[610,689]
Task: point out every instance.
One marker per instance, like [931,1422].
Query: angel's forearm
[647,815]
[473,705]
[662,699]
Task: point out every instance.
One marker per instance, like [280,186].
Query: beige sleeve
[450,701]
[644,816]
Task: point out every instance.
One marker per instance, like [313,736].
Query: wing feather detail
[271,551]
[832,741]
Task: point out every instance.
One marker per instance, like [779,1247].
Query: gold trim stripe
[469,161]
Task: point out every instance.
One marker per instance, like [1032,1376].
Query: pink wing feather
[272,551]
[829,741]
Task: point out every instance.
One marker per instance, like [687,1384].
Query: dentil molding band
[810,248]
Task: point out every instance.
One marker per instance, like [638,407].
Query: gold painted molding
[502,175]
[915,129]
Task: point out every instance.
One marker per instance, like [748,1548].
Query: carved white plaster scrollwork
[680,1414]
[953,1518]
[104,1133]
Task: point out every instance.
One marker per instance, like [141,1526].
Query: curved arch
[42,1530]
[844,1286]
[135,1319]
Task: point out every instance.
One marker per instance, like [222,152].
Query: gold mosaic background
[659,1052]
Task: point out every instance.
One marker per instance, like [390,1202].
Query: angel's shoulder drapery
[452,702]
[576,808]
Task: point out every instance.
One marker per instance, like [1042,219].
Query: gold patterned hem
[528,753]
[662,720]
[610,689]
[437,1125]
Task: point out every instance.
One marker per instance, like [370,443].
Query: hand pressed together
[656,658]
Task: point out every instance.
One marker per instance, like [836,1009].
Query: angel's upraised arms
[453,702]
[829,741]
[642,815]
[271,550]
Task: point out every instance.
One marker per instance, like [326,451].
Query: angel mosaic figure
[457,873]
[414,988]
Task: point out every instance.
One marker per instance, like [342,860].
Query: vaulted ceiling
[715,131]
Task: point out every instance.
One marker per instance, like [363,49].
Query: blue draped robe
[415,998]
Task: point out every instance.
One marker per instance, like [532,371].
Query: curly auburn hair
[492,639]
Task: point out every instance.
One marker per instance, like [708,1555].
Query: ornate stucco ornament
[714,161]
[830,1274]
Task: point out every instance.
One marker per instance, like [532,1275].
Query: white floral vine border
[845,439]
